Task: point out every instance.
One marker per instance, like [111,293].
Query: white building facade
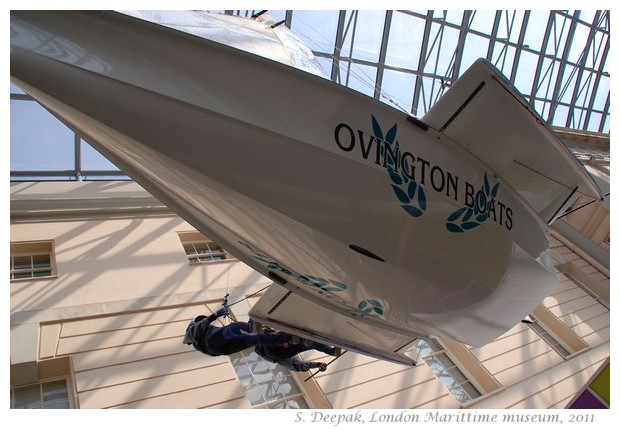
[104,280]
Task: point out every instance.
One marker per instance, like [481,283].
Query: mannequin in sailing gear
[286,355]
[225,340]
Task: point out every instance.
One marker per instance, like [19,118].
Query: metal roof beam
[541,59]
[339,42]
[515,64]
[460,47]
[383,53]
[417,92]
[557,92]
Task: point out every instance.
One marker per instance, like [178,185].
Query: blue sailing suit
[225,340]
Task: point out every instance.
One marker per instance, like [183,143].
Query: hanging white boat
[378,227]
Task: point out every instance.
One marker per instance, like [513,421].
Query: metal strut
[580,207]
[257,14]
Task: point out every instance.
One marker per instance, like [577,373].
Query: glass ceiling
[558,60]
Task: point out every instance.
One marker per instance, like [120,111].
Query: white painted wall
[125,292]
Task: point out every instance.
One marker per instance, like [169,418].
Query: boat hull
[332,194]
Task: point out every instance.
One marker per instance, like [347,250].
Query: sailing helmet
[190,331]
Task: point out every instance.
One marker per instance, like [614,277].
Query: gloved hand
[222,311]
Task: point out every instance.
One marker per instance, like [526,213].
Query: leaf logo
[371,307]
[326,285]
[467,218]
[408,192]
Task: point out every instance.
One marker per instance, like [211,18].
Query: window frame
[289,375]
[215,250]
[312,394]
[559,332]
[441,350]
[548,337]
[40,384]
[587,283]
[32,249]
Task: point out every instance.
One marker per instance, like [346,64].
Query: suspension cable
[249,296]
[356,72]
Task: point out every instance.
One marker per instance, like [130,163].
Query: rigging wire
[362,77]
[249,296]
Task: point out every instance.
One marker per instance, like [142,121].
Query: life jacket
[260,350]
[277,353]
[217,345]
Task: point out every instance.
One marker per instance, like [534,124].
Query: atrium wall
[111,319]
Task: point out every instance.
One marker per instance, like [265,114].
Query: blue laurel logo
[410,194]
[371,307]
[467,217]
[325,285]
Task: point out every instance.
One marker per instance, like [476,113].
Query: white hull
[282,168]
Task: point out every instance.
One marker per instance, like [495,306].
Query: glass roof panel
[568,83]
[454,16]
[405,41]
[510,25]
[503,57]
[535,30]
[579,44]
[38,140]
[602,94]
[367,43]
[482,21]
[93,160]
[587,16]
[362,78]
[475,47]
[524,79]
[16,89]
[316,28]
[398,88]
[441,55]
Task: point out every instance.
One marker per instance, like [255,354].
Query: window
[33,259]
[199,249]
[52,394]
[595,284]
[266,384]
[553,331]
[445,369]
[542,332]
